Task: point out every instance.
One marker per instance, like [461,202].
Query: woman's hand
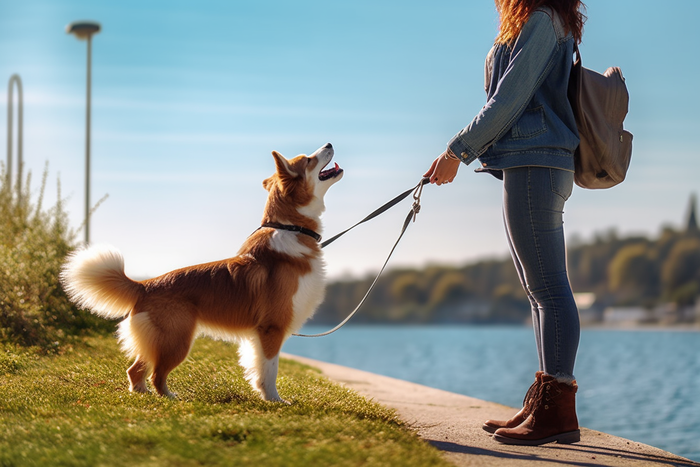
[444,168]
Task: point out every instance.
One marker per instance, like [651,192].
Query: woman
[526,135]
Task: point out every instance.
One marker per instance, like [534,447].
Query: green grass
[75,409]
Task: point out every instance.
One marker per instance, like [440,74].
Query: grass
[74,408]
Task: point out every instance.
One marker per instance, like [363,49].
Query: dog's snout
[328,146]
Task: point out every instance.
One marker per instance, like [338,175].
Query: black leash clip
[417,193]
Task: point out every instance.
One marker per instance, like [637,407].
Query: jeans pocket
[562,182]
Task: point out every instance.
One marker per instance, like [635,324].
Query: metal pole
[87,142]
[14,79]
[9,131]
[85,30]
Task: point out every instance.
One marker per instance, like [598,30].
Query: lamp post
[85,30]
[16,80]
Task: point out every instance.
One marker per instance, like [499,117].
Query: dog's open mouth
[330,173]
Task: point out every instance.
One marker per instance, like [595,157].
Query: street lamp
[16,80]
[85,30]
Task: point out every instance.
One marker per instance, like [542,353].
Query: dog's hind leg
[259,355]
[173,344]
[137,375]
[136,335]
[166,362]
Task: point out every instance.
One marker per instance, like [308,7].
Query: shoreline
[452,423]
[695,327]
[584,327]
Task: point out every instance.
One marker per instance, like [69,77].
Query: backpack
[600,104]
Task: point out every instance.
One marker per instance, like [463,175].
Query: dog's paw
[281,401]
[168,394]
[139,389]
[274,398]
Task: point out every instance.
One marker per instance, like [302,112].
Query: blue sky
[190,98]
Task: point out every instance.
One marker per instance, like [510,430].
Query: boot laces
[530,397]
[546,395]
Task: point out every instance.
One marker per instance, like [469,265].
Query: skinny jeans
[533,208]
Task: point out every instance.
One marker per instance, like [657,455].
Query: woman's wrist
[448,154]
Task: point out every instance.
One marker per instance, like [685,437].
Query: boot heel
[569,438]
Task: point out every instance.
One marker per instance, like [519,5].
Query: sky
[190,98]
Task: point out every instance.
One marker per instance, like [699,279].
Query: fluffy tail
[94,279]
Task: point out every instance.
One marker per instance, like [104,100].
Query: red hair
[515,13]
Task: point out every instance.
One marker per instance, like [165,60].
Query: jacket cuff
[462,149]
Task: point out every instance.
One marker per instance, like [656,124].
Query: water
[641,385]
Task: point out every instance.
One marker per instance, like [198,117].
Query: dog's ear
[284,169]
[268,182]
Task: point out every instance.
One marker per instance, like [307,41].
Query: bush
[34,310]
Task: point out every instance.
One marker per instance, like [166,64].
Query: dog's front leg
[260,371]
[268,380]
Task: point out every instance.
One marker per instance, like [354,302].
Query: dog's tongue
[329,173]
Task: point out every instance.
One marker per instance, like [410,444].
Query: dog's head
[304,180]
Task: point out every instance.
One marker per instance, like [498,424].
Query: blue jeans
[533,208]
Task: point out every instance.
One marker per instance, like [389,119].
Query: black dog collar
[293,228]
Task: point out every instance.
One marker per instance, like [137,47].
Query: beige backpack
[600,104]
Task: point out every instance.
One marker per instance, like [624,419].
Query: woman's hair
[515,13]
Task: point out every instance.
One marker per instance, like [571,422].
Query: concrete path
[452,423]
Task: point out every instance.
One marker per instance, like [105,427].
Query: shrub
[34,310]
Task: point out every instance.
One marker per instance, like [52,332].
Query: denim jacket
[527,119]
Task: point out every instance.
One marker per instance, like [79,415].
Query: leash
[411,217]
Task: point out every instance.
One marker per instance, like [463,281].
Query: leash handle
[415,209]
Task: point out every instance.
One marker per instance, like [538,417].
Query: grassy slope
[75,409]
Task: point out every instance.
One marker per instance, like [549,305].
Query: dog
[258,298]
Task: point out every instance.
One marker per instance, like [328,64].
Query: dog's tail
[94,279]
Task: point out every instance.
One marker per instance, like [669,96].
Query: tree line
[629,271]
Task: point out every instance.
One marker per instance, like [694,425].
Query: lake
[643,385]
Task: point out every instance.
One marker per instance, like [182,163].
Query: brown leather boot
[492,425]
[552,417]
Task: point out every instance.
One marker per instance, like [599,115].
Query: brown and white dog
[257,298]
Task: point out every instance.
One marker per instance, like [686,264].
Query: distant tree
[691,225]
[682,268]
[406,286]
[686,295]
[633,273]
[666,241]
[509,306]
[590,265]
[451,287]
